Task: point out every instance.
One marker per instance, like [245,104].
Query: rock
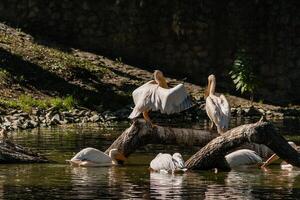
[63,121]
[17,123]
[269,113]
[84,120]
[41,119]
[23,114]
[36,112]
[69,119]
[13,112]
[55,119]
[49,115]
[27,124]
[81,113]
[34,123]
[94,118]
[252,111]
[239,111]
[66,114]
[262,111]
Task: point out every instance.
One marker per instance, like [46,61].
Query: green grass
[27,103]
[46,57]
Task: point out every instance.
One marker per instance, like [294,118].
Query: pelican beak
[206,92]
[120,157]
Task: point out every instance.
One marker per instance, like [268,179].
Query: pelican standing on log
[155,95]
[217,107]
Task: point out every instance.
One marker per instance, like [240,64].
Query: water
[133,180]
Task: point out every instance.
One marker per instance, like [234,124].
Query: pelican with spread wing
[217,107]
[155,95]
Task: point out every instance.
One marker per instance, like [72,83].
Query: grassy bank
[53,75]
[27,103]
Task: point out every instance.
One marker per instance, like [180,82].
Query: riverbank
[45,84]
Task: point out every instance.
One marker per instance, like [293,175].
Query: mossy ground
[33,74]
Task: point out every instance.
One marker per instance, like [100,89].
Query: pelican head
[178,160]
[116,156]
[210,89]
[158,75]
[160,79]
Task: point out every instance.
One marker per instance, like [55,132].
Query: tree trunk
[141,133]
[216,147]
[12,153]
[212,155]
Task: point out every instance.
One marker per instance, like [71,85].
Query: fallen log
[212,155]
[13,153]
[141,133]
[215,147]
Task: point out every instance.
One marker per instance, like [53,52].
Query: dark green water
[133,180]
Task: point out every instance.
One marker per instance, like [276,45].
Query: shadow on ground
[85,86]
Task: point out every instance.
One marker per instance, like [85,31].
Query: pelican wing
[242,157]
[142,99]
[212,110]
[218,110]
[174,100]
[93,155]
[178,161]
[151,96]
[162,162]
[225,110]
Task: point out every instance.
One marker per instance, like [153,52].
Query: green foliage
[242,73]
[27,102]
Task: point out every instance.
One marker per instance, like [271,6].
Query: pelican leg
[146,117]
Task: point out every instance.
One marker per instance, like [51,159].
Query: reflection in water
[166,185]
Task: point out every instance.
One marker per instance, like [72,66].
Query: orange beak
[120,156]
[206,92]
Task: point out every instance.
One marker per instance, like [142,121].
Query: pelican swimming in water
[217,107]
[155,95]
[91,157]
[164,162]
[243,157]
[284,164]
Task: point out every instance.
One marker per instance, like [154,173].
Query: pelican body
[155,95]
[217,107]
[94,157]
[243,157]
[164,162]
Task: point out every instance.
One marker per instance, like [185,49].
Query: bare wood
[141,133]
[212,155]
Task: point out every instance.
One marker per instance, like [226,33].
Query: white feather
[93,155]
[166,162]
[218,111]
[242,157]
[151,96]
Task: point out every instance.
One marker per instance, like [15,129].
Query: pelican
[243,157]
[283,165]
[217,107]
[164,162]
[91,157]
[155,95]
